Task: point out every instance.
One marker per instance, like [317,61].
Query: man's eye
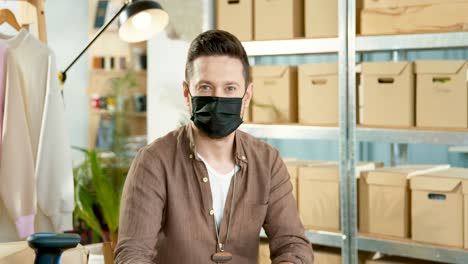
[205,87]
[231,88]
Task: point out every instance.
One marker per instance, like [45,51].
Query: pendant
[221,257]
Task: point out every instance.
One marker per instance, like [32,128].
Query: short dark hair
[217,43]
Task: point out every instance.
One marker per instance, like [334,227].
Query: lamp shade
[141,20]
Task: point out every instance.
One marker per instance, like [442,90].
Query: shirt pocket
[254,217]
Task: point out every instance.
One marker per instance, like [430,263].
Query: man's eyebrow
[204,81]
[231,83]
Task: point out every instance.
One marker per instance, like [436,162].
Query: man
[202,193]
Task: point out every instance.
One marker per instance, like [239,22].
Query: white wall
[67,29]
[166,63]
[166,105]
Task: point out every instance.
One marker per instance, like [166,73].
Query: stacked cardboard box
[319,194]
[293,166]
[236,17]
[384,199]
[285,94]
[321,18]
[275,95]
[413,16]
[387,94]
[442,93]
[390,95]
[439,207]
[279,19]
[318,94]
[327,256]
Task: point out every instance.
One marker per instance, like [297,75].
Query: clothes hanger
[6,16]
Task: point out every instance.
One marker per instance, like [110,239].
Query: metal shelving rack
[348,134]
[363,134]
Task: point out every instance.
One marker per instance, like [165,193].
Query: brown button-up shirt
[165,211]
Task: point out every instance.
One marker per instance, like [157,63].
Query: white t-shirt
[219,184]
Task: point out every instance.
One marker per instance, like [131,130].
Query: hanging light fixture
[139,20]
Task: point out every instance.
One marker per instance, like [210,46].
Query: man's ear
[186,88]
[248,95]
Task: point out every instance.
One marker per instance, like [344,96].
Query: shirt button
[191,156]
[211,212]
[243,157]
[205,179]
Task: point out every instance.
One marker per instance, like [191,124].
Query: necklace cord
[220,246]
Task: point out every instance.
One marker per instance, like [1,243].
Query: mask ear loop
[243,113]
[245,92]
[191,99]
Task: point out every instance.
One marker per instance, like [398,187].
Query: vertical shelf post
[351,128]
[346,251]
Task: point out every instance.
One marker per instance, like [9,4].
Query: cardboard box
[279,19]
[437,207]
[321,18]
[384,199]
[20,253]
[318,94]
[415,19]
[228,14]
[319,194]
[275,94]
[388,94]
[442,93]
[322,255]
[327,256]
[293,169]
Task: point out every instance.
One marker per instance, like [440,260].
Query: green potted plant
[95,192]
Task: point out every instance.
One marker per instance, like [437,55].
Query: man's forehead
[204,61]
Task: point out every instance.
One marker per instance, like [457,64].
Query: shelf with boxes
[394,205]
[291,131]
[290,47]
[415,16]
[283,39]
[417,211]
[423,94]
[412,249]
[398,102]
[363,133]
[327,255]
[445,40]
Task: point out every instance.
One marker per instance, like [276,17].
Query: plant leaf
[84,209]
[107,197]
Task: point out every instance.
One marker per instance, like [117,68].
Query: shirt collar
[238,145]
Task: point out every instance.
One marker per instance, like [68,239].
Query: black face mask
[216,116]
